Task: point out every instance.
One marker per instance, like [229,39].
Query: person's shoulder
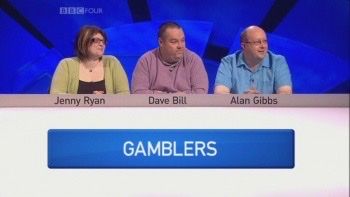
[276,60]
[191,54]
[150,53]
[111,62]
[232,56]
[110,58]
[275,56]
[149,56]
[69,61]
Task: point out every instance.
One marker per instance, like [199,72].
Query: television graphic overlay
[174,144]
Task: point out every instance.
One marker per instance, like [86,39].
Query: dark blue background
[313,35]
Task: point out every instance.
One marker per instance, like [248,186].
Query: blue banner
[170,148]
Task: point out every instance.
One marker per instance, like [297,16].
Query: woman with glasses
[90,72]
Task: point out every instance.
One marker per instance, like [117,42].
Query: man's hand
[252,91]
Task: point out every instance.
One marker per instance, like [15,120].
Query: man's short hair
[164,26]
[243,37]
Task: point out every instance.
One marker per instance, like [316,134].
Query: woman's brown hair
[84,40]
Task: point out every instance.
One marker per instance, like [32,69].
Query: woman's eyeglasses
[97,41]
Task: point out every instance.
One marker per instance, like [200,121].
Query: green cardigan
[66,77]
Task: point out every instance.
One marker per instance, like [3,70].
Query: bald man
[254,69]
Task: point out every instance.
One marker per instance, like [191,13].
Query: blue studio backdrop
[313,35]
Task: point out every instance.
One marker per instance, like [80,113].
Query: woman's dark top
[89,87]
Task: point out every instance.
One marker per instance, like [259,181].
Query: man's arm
[140,82]
[284,90]
[221,89]
[199,77]
[283,83]
[223,80]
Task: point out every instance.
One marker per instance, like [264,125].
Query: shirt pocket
[268,82]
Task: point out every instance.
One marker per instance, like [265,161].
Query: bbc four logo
[79,10]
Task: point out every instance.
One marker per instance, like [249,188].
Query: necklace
[171,66]
[90,67]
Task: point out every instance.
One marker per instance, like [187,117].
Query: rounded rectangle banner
[171,148]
